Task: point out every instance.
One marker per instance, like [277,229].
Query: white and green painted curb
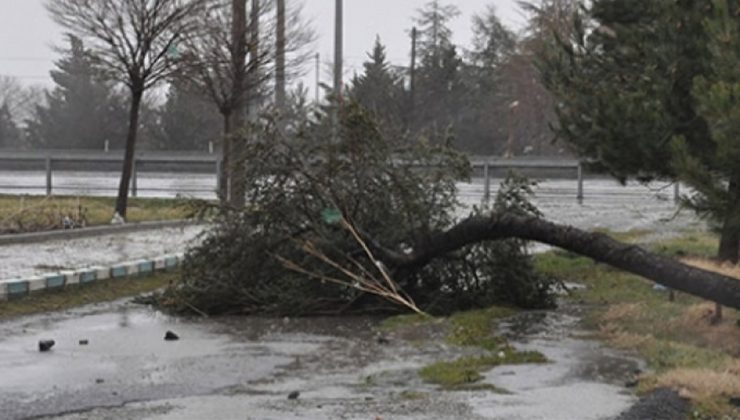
[19,287]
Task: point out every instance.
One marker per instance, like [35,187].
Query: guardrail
[81,161]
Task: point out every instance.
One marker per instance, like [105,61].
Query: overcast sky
[27,35]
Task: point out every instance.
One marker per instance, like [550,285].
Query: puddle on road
[237,367]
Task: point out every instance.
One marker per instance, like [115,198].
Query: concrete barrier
[20,287]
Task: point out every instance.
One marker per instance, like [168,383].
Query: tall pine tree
[186,121]
[82,111]
[10,135]
[380,90]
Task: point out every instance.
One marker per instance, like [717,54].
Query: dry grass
[701,384]
[33,213]
[730,270]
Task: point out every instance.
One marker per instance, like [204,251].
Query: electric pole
[338,57]
[412,77]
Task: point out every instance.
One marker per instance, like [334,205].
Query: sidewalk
[32,259]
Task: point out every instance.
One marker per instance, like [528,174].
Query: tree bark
[223,192]
[238,57]
[729,242]
[632,258]
[128,159]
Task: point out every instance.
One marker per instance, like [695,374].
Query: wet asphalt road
[245,368]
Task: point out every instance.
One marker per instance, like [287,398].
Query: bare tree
[230,59]
[134,42]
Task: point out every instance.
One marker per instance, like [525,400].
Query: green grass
[476,329]
[75,296]
[464,373]
[33,213]
[695,244]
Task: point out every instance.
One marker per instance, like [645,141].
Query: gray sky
[27,35]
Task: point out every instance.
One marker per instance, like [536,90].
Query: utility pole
[280,59]
[253,97]
[412,81]
[318,78]
[338,58]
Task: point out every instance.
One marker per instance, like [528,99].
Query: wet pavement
[245,368]
[25,260]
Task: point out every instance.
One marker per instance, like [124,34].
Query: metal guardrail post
[48,176]
[676,192]
[218,176]
[580,182]
[134,179]
[486,183]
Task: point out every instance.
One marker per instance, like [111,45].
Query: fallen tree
[268,256]
[597,246]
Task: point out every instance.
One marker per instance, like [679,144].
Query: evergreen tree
[186,121]
[82,111]
[380,91]
[440,88]
[648,89]
[10,136]
[715,176]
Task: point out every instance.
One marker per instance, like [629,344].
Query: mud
[237,368]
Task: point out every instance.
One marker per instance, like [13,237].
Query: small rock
[369,398]
[99,381]
[170,336]
[383,340]
[294,395]
[735,401]
[46,345]
[84,342]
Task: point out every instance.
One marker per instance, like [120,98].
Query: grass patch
[35,213]
[74,296]
[462,374]
[476,329]
[682,349]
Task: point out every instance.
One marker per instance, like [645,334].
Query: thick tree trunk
[128,159]
[632,258]
[729,243]
[238,56]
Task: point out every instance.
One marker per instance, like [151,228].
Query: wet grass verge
[80,295]
[683,349]
[474,329]
[22,214]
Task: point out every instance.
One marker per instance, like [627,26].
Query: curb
[20,287]
[26,238]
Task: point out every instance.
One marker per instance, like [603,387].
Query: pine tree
[380,90]
[187,121]
[82,111]
[10,135]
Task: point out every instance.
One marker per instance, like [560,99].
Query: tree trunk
[280,60]
[238,57]
[729,242]
[128,159]
[223,192]
[632,258]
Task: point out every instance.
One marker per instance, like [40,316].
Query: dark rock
[46,345]
[369,398]
[383,340]
[84,342]
[632,383]
[170,336]
[294,395]
[735,401]
[99,381]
